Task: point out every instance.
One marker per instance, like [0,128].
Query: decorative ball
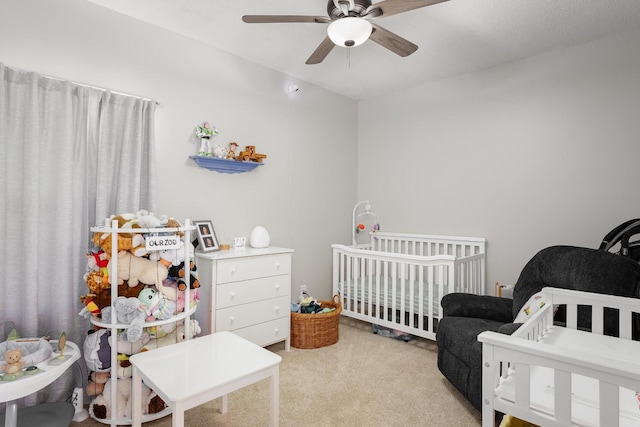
[259,237]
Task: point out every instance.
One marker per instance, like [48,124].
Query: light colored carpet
[362,380]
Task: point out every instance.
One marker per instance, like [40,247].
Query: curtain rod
[98,88]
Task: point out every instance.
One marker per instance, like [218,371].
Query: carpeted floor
[362,380]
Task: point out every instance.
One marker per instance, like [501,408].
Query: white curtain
[71,156]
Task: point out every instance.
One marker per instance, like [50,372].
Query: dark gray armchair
[466,315]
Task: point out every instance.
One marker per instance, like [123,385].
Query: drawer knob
[277,287]
[277,265]
[231,320]
[232,295]
[233,271]
[277,331]
[277,308]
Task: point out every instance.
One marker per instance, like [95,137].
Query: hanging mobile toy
[359,228]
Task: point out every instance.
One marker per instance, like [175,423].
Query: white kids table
[192,372]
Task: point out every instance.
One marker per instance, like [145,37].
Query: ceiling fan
[349,24]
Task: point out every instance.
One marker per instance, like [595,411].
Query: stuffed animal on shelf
[135,269]
[128,312]
[175,262]
[100,408]
[97,350]
[128,347]
[146,219]
[96,383]
[177,336]
[14,362]
[102,297]
[155,305]
[132,242]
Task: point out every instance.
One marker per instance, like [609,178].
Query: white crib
[398,280]
[561,376]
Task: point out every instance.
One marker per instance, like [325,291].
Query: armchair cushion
[477,306]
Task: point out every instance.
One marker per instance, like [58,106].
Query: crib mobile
[360,226]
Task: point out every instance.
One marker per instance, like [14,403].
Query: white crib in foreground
[561,376]
[398,280]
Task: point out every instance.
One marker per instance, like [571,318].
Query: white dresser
[246,291]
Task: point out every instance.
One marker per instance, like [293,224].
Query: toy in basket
[315,330]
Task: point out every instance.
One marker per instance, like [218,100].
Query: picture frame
[207,240]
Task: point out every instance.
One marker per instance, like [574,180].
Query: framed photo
[207,240]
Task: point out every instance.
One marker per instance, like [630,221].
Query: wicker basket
[318,329]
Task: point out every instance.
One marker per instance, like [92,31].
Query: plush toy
[146,219]
[136,269]
[155,305]
[96,383]
[194,297]
[128,312]
[97,350]
[14,361]
[177,336]
[175,262]
[100,407]
[91,309]
[134,244]
[95,282]
[102,297]
[128,347]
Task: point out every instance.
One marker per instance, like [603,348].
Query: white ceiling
[454,37]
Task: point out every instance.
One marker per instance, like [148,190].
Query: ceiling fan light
[349,32]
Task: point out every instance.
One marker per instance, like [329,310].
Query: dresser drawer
[266,333]
[241,316]
[235,293]
[237,269]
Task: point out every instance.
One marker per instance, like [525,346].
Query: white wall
[303,194]
[533,153]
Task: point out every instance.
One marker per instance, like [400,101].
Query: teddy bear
[178,335]
[128,312]
[155,305]
[14,361]
[102,297]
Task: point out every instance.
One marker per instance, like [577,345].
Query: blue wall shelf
[224,165]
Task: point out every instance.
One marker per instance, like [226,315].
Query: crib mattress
[360,292]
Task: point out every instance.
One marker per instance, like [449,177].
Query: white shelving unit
[113,228]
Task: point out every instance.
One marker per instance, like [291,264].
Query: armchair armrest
[478,306]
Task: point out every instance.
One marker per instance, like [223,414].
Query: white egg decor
[259,237]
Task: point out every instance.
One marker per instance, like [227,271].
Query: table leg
[224,403]
[274,396]
[177,419]
[11,414]
[136,395]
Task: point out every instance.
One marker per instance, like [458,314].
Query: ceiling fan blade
[274,19]
[393,7]
[391,41]
[321,52]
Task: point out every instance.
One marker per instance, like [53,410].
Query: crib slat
[522,390]
[562,396]
[609,404]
